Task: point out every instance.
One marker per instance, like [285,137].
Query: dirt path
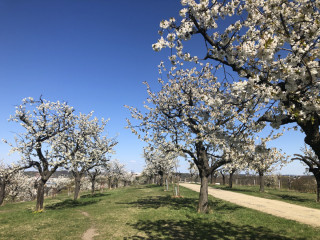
[91,232]
[277,208]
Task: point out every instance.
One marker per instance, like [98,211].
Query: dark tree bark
[2,191]
[231,177]
[314,167]
[261,179]
[318,185]
[45,175]
[93,182]
[316,173]
[161,178]
[93,177]
[223,178]
[202,162]
[77,181]
[40,194]
[213,177]
[203,196]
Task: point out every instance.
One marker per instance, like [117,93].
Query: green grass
[144,212]
[290,196]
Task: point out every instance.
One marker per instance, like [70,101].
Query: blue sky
[94,54]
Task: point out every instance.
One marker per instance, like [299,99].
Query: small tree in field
[118,172]
[94,173]
[85,147]
[161,161]
[45,124]
[236,162]
[149,173]
[264,160]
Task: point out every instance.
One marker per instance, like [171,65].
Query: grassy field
[144,212]
[290,196]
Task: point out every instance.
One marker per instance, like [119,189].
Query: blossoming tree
[85,147]
[21,187]
[191,116]
[45,124]
[271,45]
[93,174]
[162,161]
[117,172]
[264,160]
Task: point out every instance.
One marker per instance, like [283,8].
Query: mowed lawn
[285,195]
[144,212]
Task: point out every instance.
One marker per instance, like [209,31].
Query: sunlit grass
[144,212]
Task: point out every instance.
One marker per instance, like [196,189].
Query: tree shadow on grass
[198,229]
[235,189]
[291,198]
[152,186]
[95,195]
[156,202]
[69,203]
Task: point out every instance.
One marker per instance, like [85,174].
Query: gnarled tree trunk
[77,186]
[316,173]
[40,194]
[203,196]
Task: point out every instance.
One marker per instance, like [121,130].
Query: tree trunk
[2,192]
[77,187]
[318,190]
[93,182]
[203,197]
[109,182]
[161,178]
[213,179]
[167,183]
[231,177]
[40,195]
[261,178]
[223,179]
[178,186]
[317,176]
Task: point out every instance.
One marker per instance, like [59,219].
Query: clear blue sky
[94,54]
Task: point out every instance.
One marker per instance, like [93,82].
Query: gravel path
[277,208]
